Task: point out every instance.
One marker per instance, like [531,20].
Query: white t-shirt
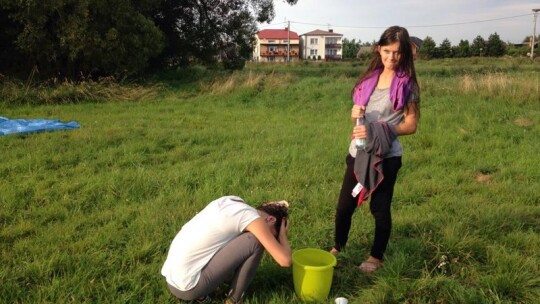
[200,238]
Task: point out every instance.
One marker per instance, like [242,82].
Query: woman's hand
[284,229]
[360,131]
[357,111]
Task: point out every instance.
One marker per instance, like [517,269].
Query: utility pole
[288,41]
[535,14]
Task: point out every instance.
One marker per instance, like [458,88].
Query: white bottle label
[356,190]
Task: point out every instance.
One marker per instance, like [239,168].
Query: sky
[454,20]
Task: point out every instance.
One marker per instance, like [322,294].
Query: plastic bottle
[360,142]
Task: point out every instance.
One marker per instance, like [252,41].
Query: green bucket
[313,271]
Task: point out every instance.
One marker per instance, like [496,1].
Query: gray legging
[239,258]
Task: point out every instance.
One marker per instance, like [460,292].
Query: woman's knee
[345,210]
[383,219]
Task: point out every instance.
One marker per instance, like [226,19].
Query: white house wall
[320,48]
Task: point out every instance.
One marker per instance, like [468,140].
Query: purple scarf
[399,89]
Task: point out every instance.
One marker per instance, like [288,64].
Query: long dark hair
[392,35]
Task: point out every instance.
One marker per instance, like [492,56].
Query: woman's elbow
[405,129]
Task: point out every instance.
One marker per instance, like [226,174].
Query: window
[313,52]
[331,52]
[314,41]
[273,48]
[331,40]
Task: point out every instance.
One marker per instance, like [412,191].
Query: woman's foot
[231,300]
[204,300]
[370,265]
[334,251]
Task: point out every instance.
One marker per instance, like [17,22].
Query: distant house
[326,44]
[276,45]
[526,44]
[364,50]
[416,43]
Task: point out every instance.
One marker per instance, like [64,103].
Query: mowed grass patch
[87,215]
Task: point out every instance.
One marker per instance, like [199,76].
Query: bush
[54,92]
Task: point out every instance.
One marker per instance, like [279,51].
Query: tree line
[94,38]
[492,47]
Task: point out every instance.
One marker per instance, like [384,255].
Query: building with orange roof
[276,45]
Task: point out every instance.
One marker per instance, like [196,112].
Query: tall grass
[522,86]
[15,92]
[87,215]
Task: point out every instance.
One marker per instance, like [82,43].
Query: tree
[125,37]
[517,50]
[201,29]
[428,49]
[495,47]
[462,49]
[11,58]
[70,37]
[445,49]
[350,48]
[478,47]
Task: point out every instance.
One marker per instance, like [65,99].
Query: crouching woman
[226,240]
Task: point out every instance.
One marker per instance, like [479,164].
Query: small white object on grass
[342,300]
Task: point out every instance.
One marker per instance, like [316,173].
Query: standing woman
[387,97]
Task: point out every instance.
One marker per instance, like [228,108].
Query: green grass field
[87,215]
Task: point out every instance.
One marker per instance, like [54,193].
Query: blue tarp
[12,126]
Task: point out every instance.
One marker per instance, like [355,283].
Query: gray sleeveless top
[379,108]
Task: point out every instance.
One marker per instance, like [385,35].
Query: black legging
[381,199]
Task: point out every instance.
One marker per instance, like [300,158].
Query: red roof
[277,34]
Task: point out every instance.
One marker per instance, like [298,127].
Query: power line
[411,26]
[273,24]
[470,22]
